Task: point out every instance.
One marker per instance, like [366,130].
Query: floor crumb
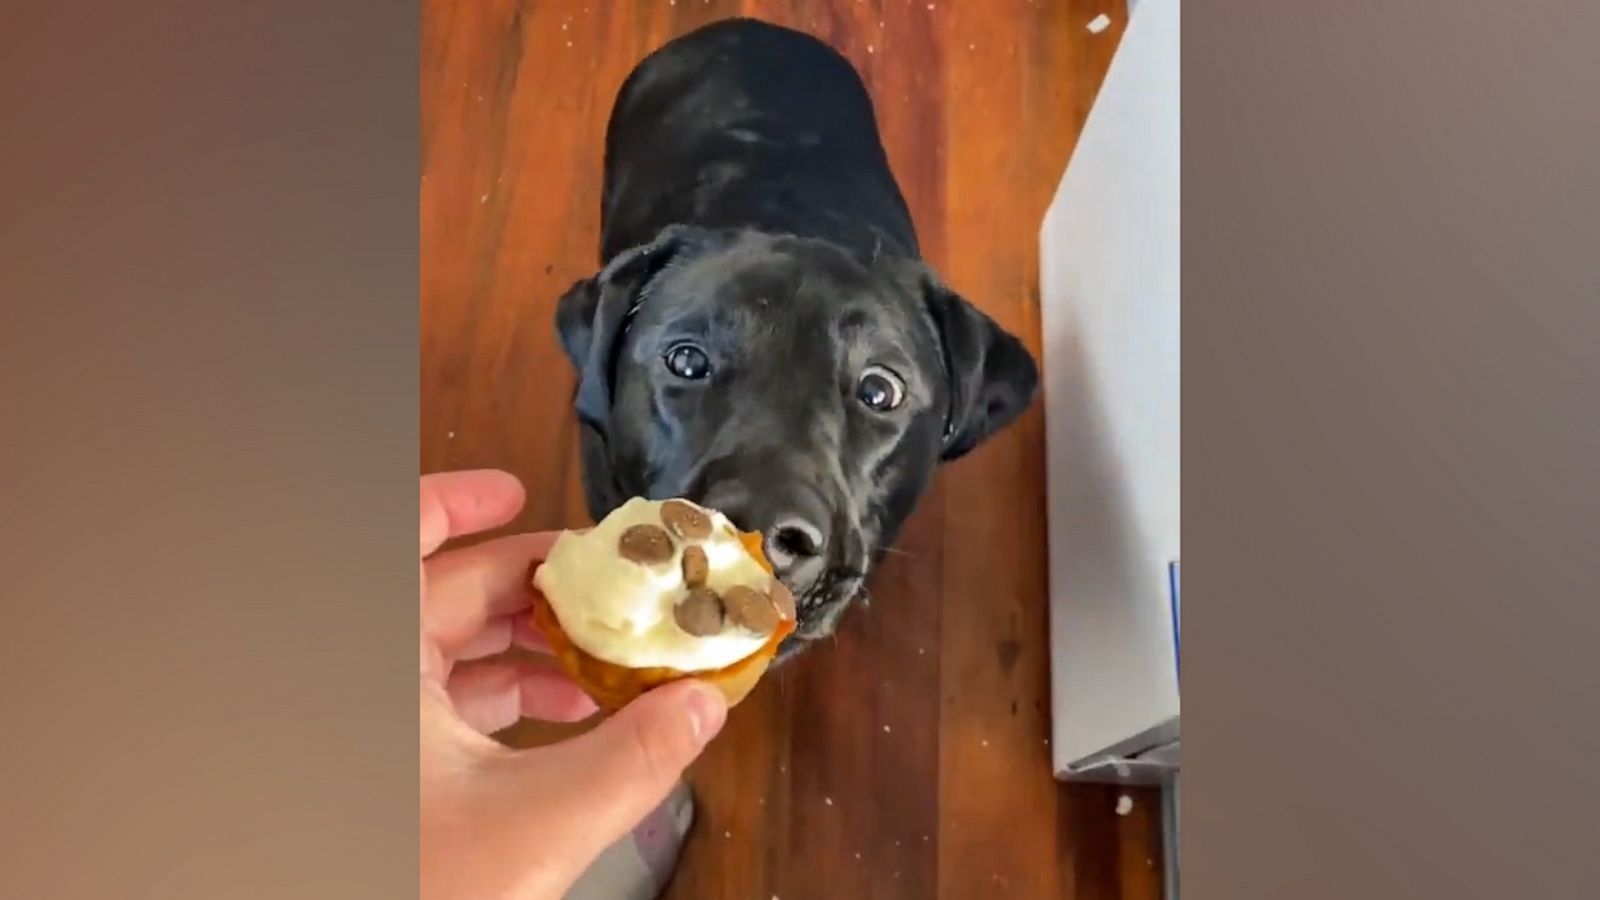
[828,800]
[1099,23]
[1124,805]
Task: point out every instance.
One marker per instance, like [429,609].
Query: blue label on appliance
[1177,618]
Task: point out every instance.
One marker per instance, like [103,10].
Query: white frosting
[621,611]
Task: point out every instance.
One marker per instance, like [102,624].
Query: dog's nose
[792,541]
[793,518]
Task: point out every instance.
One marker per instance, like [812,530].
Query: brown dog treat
[695,566]
[751,609]
[700,614]
[645,544]
[685,521]
[783,599]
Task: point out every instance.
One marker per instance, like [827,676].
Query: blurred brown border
[1390,373]
[207,305]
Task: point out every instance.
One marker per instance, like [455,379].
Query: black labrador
[764,337]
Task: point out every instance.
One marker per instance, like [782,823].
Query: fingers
[500,635]
[459,503]
[624,767]
[495,637]
[493,696]
[470,587]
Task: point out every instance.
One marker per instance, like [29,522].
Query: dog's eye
[688,361]
[880,390]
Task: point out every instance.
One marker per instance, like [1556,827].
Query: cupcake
[658,591]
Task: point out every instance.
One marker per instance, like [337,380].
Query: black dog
[764,337]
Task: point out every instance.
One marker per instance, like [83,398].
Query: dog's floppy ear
[992,378]
[593,314]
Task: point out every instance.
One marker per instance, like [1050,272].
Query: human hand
[522,824]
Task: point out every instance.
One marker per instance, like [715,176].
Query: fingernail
[707,710]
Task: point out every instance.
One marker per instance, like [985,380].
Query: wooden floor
[908,759]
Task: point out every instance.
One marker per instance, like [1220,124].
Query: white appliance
[1110,317]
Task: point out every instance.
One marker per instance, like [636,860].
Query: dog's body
[764,337]
[746,125]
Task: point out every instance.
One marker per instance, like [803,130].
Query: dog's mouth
[819,608]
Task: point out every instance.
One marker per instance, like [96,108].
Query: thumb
[625,767]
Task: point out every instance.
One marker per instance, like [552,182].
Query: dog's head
[805,392]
